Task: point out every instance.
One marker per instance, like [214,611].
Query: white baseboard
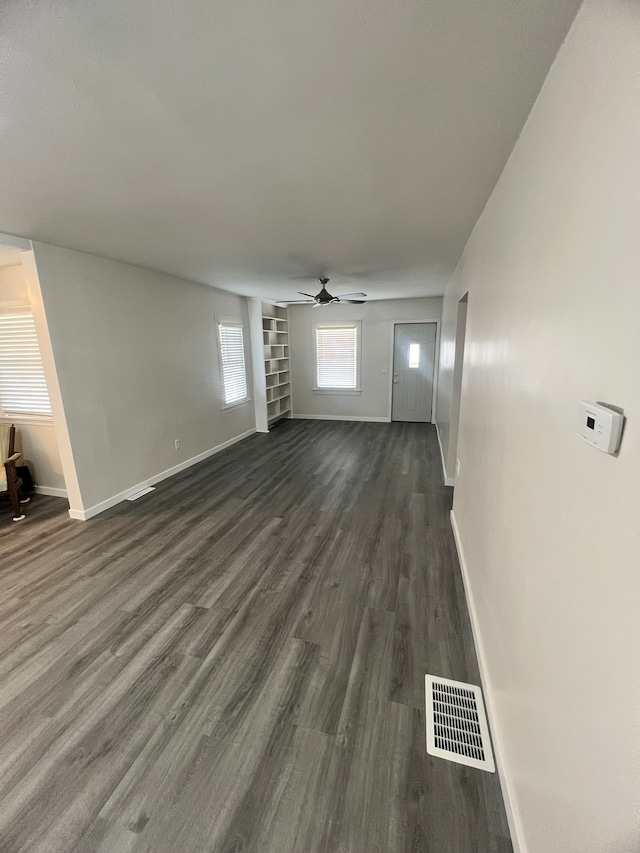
[50,490]
[85,514]
[448,481]
[513,817]
[342,418]
[81,515]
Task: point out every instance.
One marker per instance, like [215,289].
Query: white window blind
[23,387]
[336,356]
[234,374]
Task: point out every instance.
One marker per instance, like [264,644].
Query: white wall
[548,525]
[39,447]
[377,337]
[137,363]
[13,285]
[36,438]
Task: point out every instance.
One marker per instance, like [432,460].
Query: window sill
[352,392]
[26,420]
[231,406]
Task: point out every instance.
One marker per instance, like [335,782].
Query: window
[23,387]
[234,373]
[337,357]
[414,355]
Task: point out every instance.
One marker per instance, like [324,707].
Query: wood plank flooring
[236,661]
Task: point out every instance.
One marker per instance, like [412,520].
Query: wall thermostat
[600,426]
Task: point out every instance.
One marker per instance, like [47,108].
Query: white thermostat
[600,426]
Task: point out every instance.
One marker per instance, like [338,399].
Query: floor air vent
[136,495]
[456,723]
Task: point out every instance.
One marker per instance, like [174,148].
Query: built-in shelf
[277,380]
[279,392]
[275,340]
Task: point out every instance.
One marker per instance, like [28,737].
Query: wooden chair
[10,483]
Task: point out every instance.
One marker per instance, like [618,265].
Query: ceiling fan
[325,298]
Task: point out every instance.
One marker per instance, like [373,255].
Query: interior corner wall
[548,525]
[377,317]
[137,363]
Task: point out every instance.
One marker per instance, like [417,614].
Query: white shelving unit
[270,358]
[275,341]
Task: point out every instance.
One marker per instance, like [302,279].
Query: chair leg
[15,503]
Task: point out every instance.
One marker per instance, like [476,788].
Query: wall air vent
[456,723]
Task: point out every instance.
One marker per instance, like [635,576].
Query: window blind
[234,374]
[23,387]
[336,356]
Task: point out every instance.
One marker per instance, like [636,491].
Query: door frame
[436,363]
[456,390]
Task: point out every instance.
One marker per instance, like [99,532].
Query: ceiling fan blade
[350,295]
[353,301]
[301,301]
[306,294]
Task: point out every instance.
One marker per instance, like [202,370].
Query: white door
[414,355]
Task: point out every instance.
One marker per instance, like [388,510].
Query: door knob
[395,382]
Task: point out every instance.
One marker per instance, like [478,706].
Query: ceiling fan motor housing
[324,297]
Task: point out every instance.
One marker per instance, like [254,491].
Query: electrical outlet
[384,370]
[457,467]
[177,443]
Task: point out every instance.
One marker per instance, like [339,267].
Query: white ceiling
[250,143]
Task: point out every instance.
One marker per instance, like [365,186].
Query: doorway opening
[24,388]
[414,357]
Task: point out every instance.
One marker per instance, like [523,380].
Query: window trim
[357,324]
[232,321]
[26,420]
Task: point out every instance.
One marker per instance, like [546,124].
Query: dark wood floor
[236,661]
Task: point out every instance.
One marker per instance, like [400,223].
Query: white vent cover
[456,723]
[136,495]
